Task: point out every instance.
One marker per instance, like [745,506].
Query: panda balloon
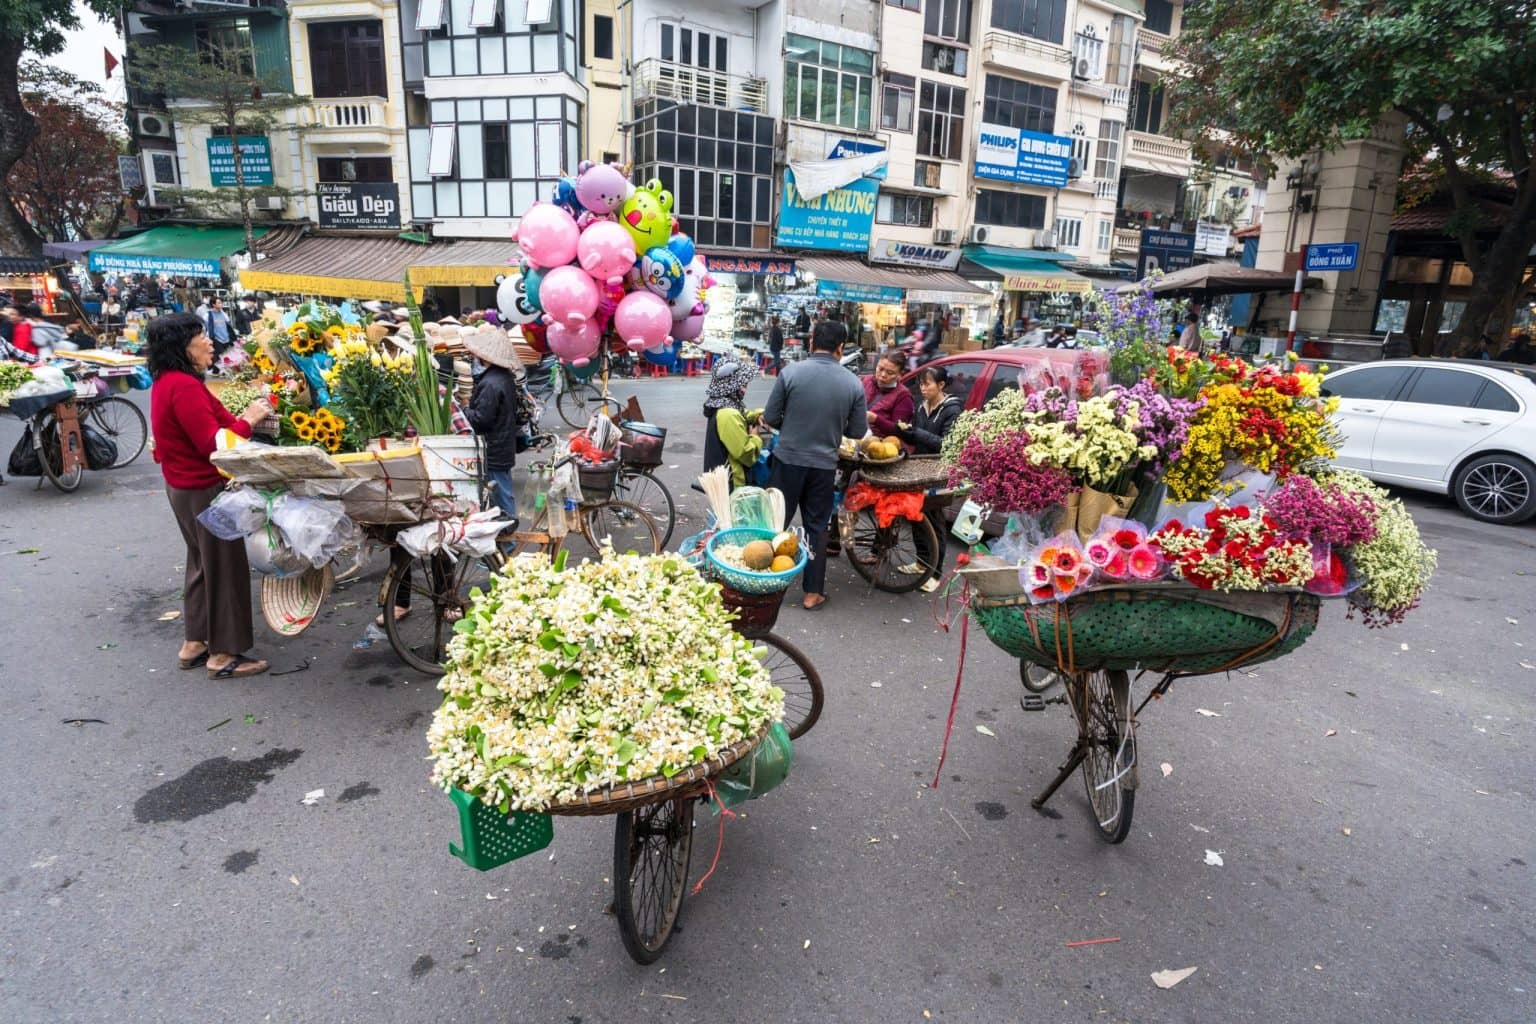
[512,301]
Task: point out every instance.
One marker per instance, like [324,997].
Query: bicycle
[906,554]
[575,400]
[117,419]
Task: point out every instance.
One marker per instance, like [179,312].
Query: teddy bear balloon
[602,188]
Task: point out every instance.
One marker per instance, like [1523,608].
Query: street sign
[130,173]
[1333,256]
[1164,250]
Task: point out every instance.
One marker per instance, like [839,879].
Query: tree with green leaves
[36,27]
[218,89]
[1283,78]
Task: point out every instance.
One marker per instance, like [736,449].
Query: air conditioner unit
[1082,69]
[1074,169]
[944,236]
[978,234]
[267,202]
[1045,239]
[155,124]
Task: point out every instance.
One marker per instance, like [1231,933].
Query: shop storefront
[746,291]
[174,250]
[1033,284]
[885,303]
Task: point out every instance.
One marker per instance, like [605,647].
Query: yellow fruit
[868,443]
[782,563]
[893,440]
[758,555]
[786,545]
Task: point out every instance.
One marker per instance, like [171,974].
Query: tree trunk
[232,111]
[17,130]
[1503,272]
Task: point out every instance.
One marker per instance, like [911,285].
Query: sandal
[400,613]
[194,661]
[808,606]
[240,667]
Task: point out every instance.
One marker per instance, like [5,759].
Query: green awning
[172,249]
[1006,260]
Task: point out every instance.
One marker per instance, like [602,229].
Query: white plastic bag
[315,530]
[473,535]
[237,513]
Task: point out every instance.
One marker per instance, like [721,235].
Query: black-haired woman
[185,418]
[934,415]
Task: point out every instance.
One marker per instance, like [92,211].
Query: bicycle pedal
[1032,702]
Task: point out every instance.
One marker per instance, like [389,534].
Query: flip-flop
[818,606]
[239,668]
[194,661]
[400,613]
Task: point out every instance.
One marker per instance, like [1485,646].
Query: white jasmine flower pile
[561,682]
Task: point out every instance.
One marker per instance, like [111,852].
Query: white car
[1457,427]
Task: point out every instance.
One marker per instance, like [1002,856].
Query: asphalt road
[1370,798]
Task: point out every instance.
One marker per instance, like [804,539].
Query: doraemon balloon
[647,215]
[683,246]
[606,252]
[547,235]
[565,196]
[689,300]
[662,272]
[602,188]
[512,301]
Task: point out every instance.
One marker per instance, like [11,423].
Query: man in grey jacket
[814,405]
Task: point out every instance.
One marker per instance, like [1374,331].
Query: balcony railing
[1119,97]
[1126,240]
[1105,188]
[347,114]
[1005,49]
[683,83]
[1159,151]
[1150,42]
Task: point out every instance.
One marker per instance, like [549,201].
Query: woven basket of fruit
[753,560]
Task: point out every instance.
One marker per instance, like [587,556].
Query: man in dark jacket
[776,343]
[493,412]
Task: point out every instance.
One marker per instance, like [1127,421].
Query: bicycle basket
[640,444]
[491,838]
[598,479]
[745,580]
[756,614]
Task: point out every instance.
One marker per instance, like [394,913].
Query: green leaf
[626,751]
[571,650]
[468,624]
[549,670]
[699,753]
[560,560]
[668,770]
[674,695]
[549,639]
[709,674]
[487,690]
[647,708]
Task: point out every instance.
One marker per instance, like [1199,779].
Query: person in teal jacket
[729,438]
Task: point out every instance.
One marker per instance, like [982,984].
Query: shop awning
[1029,270]
[172,249]
[470,264]
[72,251]
[856,281]
[374,268]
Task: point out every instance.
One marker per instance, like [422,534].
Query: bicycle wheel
[1035,678]
[50,454]
[1101,700]
[626,525]
[651,849]
[792,672]
[577,404]
[123,422]
[640,487]
[436,593]
[898,558]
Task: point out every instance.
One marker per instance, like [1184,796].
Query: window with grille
[227,45]
[1090,50]
[1008,101]
[1108,166]
[346,58]
[948,60]
[940,121]
[1106,234]
[1082,152]
[1069,232]
[1147,108]
[1160,16]
[1043,19]
[948,19]
[898,100]
[927,174]
[1121,55]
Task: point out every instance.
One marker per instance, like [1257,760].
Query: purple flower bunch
[1164,421]
[1321,513]
[1059,405]
[1005,479]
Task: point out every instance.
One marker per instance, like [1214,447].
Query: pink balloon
[568,295]
[643,320]
[602,188]
[547,235]
[688,328]
[606,251]
[575,345]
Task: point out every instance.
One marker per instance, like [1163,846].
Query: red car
[976,377]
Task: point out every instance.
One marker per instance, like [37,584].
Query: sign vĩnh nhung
[1333,256]
[1027,158]
[358,204]
[914,254]
[839,221]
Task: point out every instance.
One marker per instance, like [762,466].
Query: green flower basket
[1152,629]
[491,838]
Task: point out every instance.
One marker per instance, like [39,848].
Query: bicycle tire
[643,488]
[652,847]
[791,671]
[1036,678]
[123,422]
[50,453]
[627,525]
[880,554]
[578,404]
[442,587]
[1101,702]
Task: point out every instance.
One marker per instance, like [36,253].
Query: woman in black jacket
[493,411]
[934,415]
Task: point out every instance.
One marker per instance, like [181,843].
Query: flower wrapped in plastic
[561,682]
[1056,569]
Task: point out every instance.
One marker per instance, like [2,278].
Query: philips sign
[1028,158]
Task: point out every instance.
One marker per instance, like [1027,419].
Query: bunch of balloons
[604,259]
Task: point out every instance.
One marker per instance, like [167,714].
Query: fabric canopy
[467,264]
[172,249]
[73,250]
[1029,270]
[854,280]
[375,268]
[1222,279]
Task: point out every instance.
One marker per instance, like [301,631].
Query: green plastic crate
[491,838]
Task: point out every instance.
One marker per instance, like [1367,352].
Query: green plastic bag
[763,769]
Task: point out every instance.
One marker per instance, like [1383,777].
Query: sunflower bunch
[322,427]
[303,341]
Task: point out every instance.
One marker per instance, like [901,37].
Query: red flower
[1213,518]
[1126,539]
[1240,511]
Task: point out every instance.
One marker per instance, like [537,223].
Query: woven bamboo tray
[918,473]
[1161,629]
[655,789]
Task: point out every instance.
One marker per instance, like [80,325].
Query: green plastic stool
[491,838]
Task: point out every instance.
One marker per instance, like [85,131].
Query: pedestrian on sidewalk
[186,418]
[776,344]
[814,405]
[728,431]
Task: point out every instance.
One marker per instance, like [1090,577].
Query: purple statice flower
[1005,479]
[1321,513]
[1164,421]
[1053,402]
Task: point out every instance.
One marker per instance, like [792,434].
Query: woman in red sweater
[185,418]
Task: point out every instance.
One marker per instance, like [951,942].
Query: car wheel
[1497,489]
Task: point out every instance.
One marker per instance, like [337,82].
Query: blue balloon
[531,280]
[565,196]
[682,245]
[665,357]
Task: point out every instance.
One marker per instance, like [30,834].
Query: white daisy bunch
[564,681]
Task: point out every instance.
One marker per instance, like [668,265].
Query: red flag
[111,61]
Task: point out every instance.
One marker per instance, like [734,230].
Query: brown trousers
[216,606]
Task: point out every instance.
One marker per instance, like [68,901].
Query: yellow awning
[331,287]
